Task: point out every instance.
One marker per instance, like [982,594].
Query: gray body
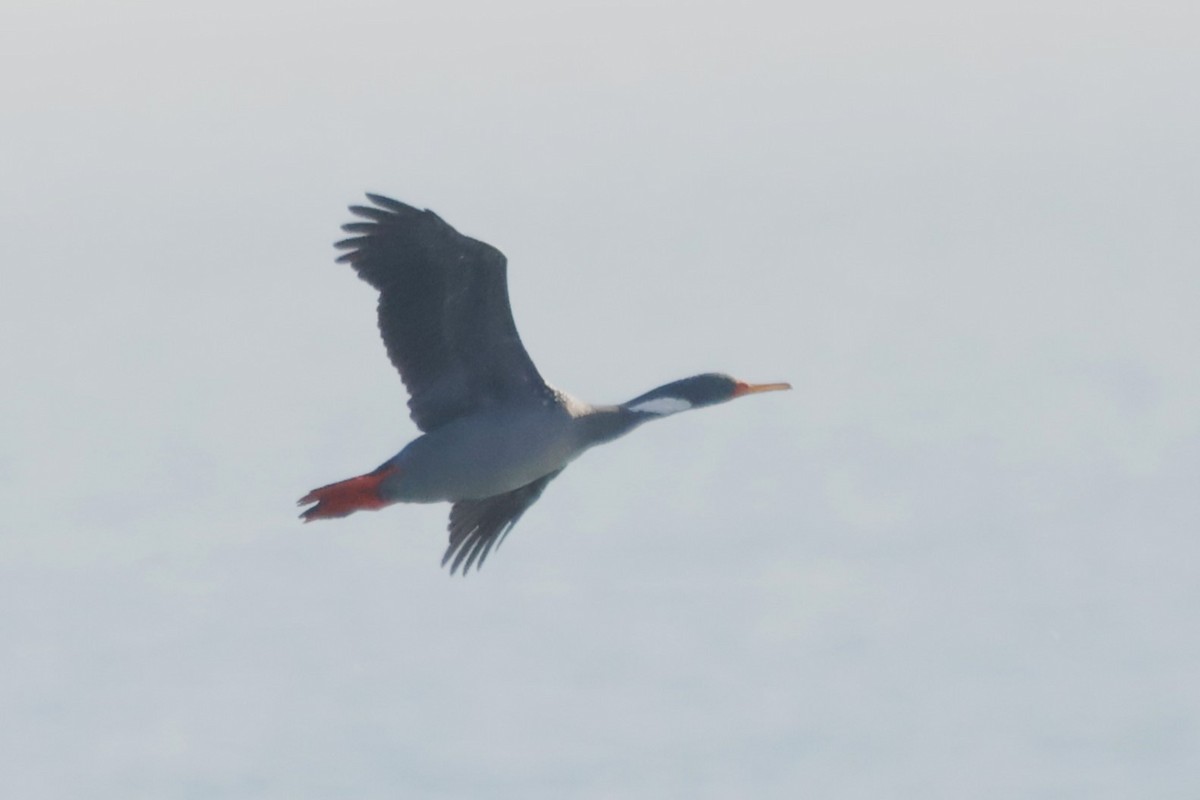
[500,450]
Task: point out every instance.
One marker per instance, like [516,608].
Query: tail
[343,498]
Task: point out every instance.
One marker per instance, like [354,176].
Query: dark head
[696,392]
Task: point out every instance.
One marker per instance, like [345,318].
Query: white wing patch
[662,406]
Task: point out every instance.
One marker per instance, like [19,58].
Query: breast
[486,454]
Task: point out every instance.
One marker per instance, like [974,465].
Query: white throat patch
[662,406]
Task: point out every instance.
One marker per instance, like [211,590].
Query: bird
[494,433]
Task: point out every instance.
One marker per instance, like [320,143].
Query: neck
[605,423]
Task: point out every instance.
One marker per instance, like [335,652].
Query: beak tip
[744,388]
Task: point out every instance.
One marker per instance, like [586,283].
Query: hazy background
[959,560]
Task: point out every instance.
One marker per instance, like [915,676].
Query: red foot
[345,497]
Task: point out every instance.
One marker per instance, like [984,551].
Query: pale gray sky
[960,560]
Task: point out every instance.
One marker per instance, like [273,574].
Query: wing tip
[371,212]
[383,201]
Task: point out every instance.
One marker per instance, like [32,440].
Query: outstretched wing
[478,525]
[443,312]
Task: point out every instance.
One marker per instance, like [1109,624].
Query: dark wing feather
[478,525]
[443,312]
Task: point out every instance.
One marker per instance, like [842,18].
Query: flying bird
[494,433]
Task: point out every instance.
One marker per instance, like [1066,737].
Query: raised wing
[478,525]
[443,312]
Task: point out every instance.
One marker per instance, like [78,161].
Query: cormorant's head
[696,392]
